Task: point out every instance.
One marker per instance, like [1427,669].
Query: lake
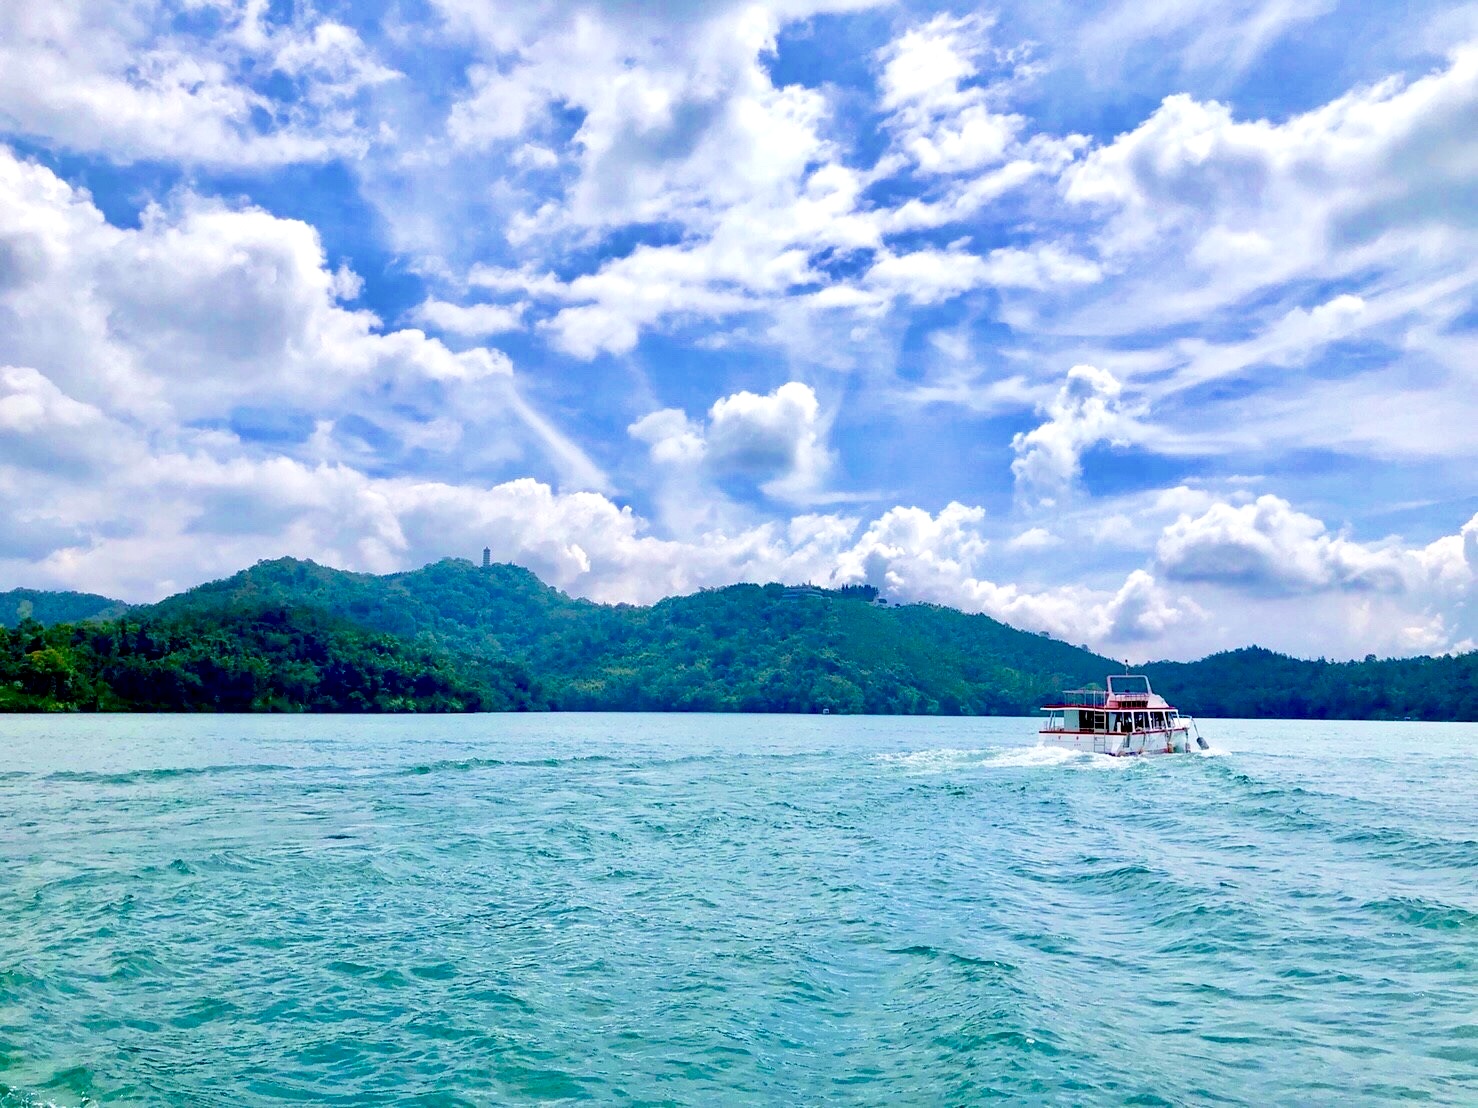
[725,910]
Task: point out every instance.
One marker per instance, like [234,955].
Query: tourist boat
[1127,719]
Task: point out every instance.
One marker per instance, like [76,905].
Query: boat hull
[1139,744]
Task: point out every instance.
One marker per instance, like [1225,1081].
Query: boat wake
[949,759]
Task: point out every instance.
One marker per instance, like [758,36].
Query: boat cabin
[1127,706]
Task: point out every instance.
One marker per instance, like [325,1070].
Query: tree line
[274,659]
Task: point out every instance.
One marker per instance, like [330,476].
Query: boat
[1125,720]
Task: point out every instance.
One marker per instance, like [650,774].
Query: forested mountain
[1260,684]
[267,659]
[739,648]
[497,638]
[55,607]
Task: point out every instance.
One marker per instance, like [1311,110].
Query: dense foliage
[267,659]
[480,632]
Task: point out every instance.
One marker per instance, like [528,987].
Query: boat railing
[1081,698]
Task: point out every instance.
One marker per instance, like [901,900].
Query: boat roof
[1125,692]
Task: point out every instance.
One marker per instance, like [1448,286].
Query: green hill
[500,610]
[55,607]
[739,648]
[1257,683]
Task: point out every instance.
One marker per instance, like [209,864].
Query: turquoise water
[726,910]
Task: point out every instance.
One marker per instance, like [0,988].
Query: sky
[1150,325]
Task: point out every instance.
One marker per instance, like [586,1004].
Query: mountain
[55,607]
[498,610]
[738,648]
[497,636]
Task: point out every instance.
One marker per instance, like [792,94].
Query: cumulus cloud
[1269,574]
[46,432]
[775,441]
[1268,546]
[911,554]
[1229,205]
[940,113]
[1085,412]
[200,306]
[206,308]
[1140,611]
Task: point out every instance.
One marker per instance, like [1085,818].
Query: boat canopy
[1129,684]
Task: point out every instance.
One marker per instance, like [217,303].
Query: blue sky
[1150,325]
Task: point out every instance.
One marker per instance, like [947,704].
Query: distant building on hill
[846,592]
[487,557]
[796,592]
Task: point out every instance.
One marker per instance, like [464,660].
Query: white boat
[1124,720]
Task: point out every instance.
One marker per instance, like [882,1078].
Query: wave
[636,759]
[1419,850]
[448,765]
[1430,914]
[166,773]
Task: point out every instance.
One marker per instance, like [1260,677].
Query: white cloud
[677,121]
[678,117]
[942,119]
[470,320]
[1268,547]
[1141,611]
[45,431]
[926,276]
[776,441]
[1085,412]
[1040,267]
[502,106]
[932,276]
[674,439]
[1034,538]
[114,77]
[912,555]
[204,308]
[1208,208]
